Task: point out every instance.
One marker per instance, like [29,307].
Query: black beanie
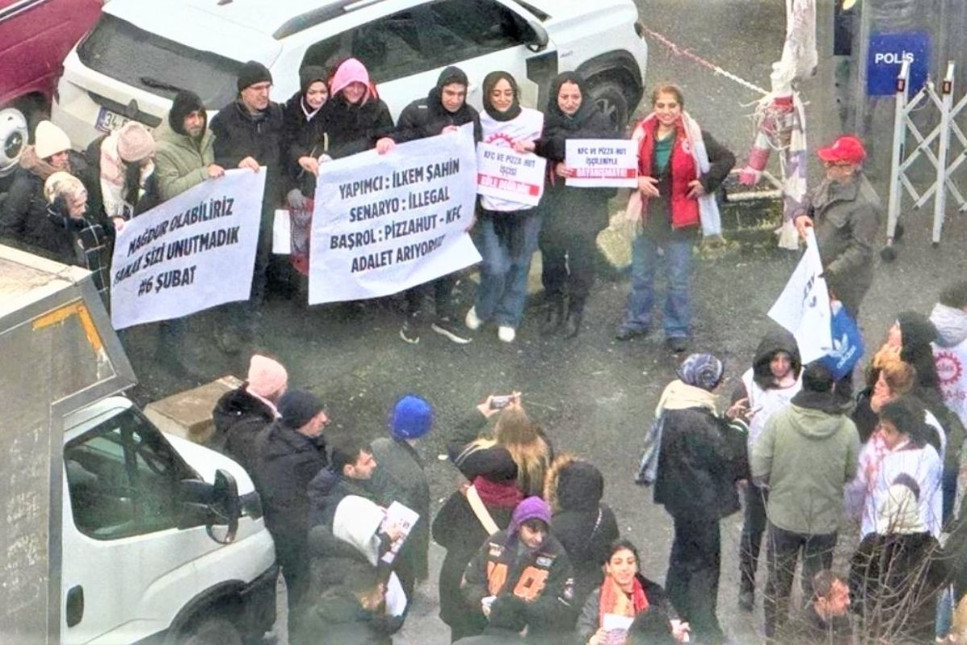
[817,378]
[916,332]
[297,408]
[184,104]
[251,73]
[309,75]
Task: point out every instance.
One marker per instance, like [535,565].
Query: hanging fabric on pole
[799,50]
[780,124]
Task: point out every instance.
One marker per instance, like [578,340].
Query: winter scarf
[689,161]
[681,396]
[615,601]
[499,494]
[30,161]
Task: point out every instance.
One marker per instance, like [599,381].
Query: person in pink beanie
[241,415]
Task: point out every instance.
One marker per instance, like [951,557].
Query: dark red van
[35,37]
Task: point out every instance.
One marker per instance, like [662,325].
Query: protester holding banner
[573,217]
[125,163]
[680,166]
[298,113]
[184,157]
[248,134]
[507,230]
[844,211]
[443,110]
[354,119]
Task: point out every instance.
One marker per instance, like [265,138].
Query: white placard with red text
[602,163]
[509,175]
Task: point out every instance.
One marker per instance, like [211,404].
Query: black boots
[554,317]
[573,324]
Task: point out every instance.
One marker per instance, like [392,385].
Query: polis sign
[885,54]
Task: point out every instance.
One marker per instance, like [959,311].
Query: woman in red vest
[680,167]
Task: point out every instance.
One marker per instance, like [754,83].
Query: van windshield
[118,49]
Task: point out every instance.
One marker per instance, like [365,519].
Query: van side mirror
[225,507]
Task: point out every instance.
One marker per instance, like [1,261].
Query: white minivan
[141,53]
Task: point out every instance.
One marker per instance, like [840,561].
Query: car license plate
[108,121]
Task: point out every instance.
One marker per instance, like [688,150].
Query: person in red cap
[844,212]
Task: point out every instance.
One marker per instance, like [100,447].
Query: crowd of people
[336,113]
[532,551]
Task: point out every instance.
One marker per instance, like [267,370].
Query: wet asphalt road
[594,396]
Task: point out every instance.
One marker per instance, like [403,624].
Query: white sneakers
[471,321]
[504,333]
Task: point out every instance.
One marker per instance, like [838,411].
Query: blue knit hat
[412,418]
[701,370]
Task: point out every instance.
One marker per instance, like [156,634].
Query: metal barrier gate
[935,147]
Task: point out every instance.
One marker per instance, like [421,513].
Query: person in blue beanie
[400,478]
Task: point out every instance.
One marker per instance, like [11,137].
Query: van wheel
[214,630]
[611,100]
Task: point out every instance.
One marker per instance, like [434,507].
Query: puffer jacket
[583,525]
[179,163]
[239,418]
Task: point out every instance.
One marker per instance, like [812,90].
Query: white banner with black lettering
[385,223]
[192,252]
[508,175]
[602,163]
[803,306]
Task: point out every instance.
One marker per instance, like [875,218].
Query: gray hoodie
[806,455]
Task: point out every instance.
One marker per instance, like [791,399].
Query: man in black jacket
[248,134]
[443,110]
[349,473]
[291,454]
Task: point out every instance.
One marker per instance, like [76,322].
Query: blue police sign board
[887,52]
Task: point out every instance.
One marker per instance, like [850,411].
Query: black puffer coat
[24,220]
[583,525]
[239,417]
[427,117]
[700,459]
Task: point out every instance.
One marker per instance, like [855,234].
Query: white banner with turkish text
[602,163]
[192,252]
[385,223]
[508,175]
[803,306]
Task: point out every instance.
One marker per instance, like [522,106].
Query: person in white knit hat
[23,218]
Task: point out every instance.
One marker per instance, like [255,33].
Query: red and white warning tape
[701,61]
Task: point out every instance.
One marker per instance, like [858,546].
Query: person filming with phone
[474,448]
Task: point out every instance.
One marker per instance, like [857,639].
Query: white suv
[142,52]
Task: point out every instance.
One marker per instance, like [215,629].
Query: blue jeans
[678,272]
[503,275]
